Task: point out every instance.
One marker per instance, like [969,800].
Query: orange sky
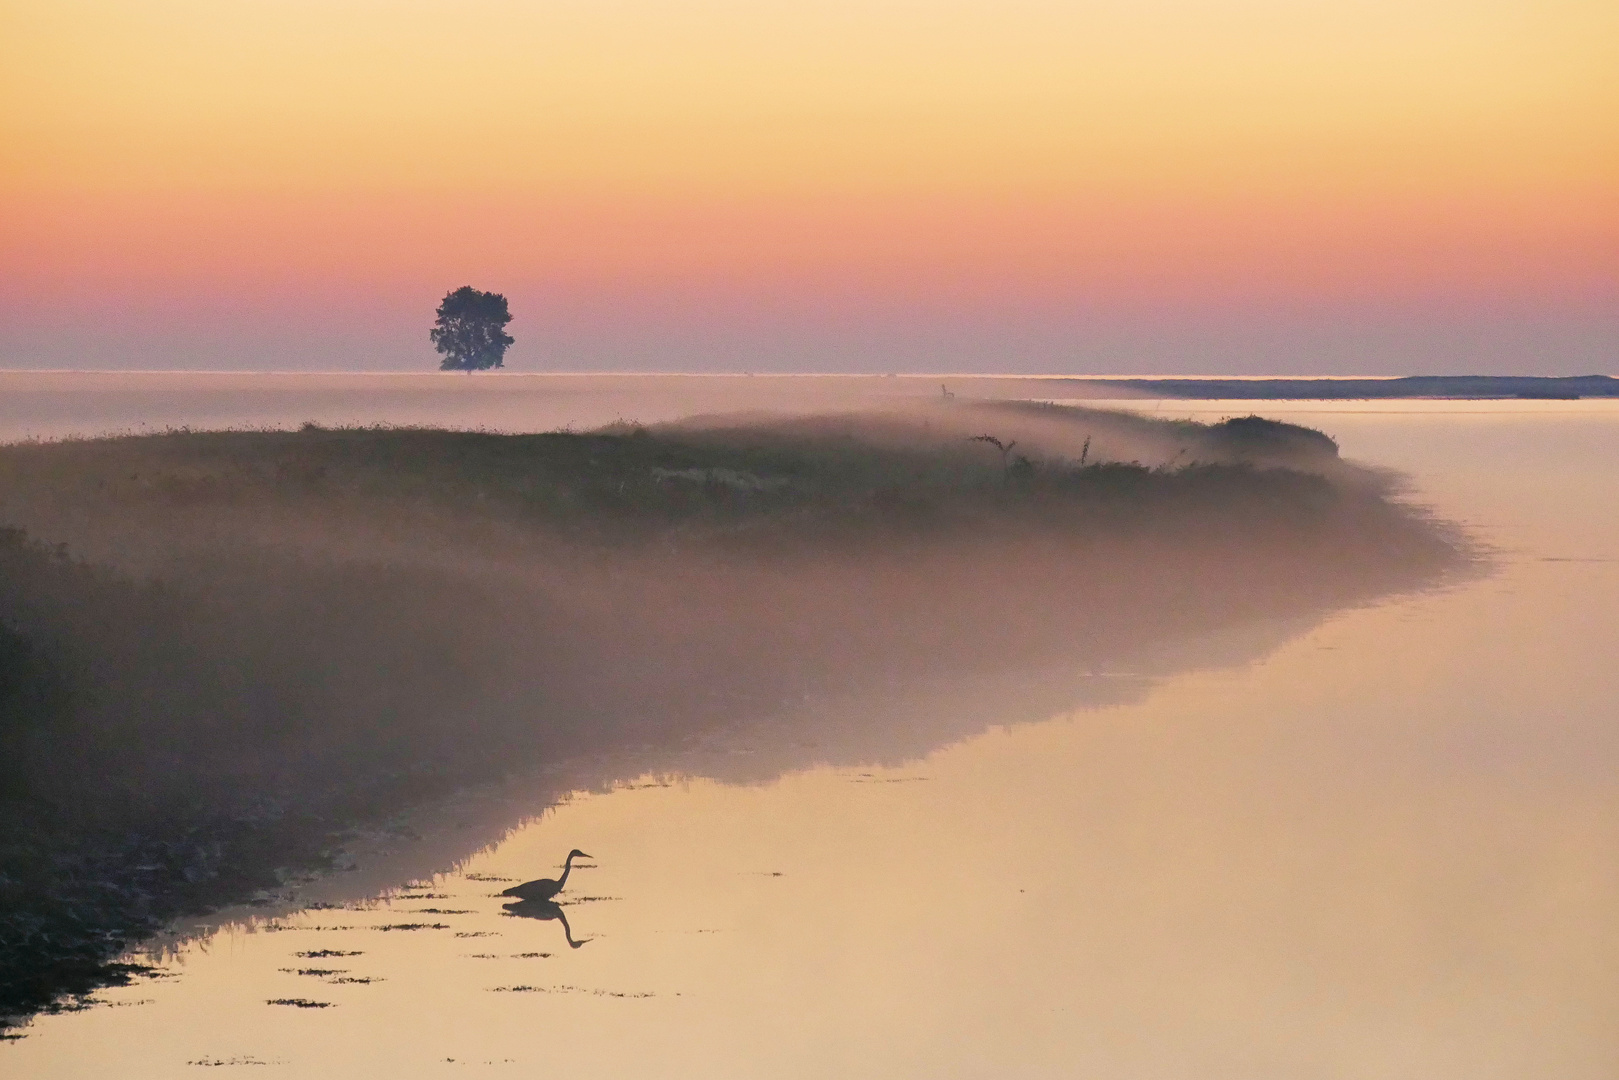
[1026,184]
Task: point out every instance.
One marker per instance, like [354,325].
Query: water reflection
[545,910]
[855,730]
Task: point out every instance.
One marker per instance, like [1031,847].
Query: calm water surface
[1388,849]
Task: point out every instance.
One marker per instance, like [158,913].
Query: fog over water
[1374,840]
[63,404]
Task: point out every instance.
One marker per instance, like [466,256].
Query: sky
[1018,186]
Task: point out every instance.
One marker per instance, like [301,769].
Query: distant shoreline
[1452,387]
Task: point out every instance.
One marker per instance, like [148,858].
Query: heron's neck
[567,868]
[567,931]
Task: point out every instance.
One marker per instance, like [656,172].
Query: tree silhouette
[471,330]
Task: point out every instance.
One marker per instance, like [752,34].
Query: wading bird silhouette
[546,888]
[545,910]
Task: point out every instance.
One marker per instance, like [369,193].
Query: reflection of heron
[545,910]
[545,888]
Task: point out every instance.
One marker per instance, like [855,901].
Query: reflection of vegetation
[263,637]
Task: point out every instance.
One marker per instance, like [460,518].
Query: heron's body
[545,888]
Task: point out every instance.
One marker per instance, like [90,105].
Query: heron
[546,888]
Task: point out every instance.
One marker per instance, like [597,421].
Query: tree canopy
[471,330]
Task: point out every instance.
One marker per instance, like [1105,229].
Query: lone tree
[471,330]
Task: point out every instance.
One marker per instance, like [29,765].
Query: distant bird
[546,888]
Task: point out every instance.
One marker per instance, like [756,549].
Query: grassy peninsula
[220,651]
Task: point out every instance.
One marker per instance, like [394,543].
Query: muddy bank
[223,651]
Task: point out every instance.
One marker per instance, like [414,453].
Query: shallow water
[1389,847]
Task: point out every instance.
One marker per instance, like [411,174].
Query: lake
[1384,845]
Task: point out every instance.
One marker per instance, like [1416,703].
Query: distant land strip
[1554,388]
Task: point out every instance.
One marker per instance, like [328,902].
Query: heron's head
[577,854]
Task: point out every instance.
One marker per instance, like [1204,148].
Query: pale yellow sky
[765,99]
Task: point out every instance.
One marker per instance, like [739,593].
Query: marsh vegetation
[221,650]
